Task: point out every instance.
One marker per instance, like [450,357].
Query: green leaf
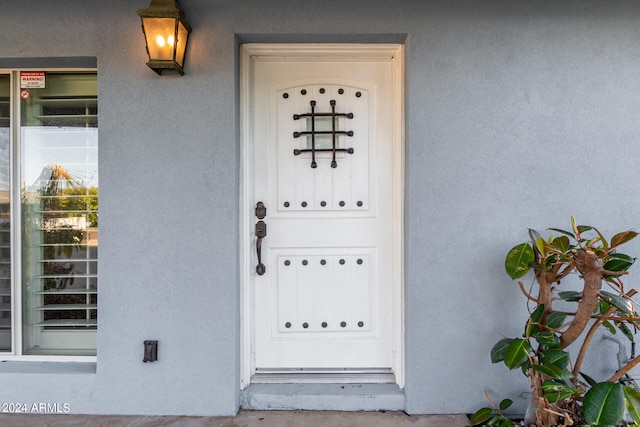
[588,379]
[534,235]
[551,261]
[556,320]
[517,353]
[567,375]
[609,326]
[532,328]
[548,339]
[568,233]
[621,256]
[518,259]
[481,416]
[632,400]
[591,243]
[551,371]
[559,358]
[622,304]
[622,238]
[525,367]
[602,307]
[557,391]
[602,239]
[541,246]
[500,349]
[499,422]
[555,396]
[570,295]
[536,316]
[561,243]
[625,331]
[583,228]
[604,404]
[505,404]
[552,386]
[619,262]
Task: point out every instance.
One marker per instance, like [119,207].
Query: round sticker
[24,94]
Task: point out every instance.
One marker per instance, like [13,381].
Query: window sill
[26,367]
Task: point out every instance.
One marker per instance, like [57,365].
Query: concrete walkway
[243,419]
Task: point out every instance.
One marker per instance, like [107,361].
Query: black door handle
[261,233]
[260,268]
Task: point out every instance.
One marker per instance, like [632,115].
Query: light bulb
[160,41]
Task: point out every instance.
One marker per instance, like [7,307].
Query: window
[49,213]
[5,216]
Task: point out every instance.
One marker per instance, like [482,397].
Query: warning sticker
[32,80]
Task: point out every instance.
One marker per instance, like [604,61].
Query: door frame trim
[251,52]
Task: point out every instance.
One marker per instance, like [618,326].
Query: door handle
[261,233]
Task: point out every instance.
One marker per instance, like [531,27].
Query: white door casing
[330,299]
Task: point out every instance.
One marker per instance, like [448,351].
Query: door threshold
[323,376]
[329,396]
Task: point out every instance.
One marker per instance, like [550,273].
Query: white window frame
[16,353]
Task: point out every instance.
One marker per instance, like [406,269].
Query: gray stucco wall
[518,114]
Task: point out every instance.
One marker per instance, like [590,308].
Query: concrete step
[314,397]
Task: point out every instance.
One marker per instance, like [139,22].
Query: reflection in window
[59,204]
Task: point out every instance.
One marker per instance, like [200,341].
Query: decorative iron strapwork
[313,133]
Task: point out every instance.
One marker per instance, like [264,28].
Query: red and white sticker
[32,80]
[24,94]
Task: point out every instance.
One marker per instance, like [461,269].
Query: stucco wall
[518,114]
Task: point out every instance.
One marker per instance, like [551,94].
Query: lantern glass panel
[181,44]
[160,34]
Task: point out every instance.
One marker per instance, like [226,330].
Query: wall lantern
[165,31]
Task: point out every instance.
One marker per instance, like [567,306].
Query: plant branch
[614,273]
[552,276]
[592,331]
[620,318]
[545,296]
[603,316]
[587,340]
[592,275]
[564,273]
[626,368]
[526,294]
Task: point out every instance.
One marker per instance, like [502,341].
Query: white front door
[323,129]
